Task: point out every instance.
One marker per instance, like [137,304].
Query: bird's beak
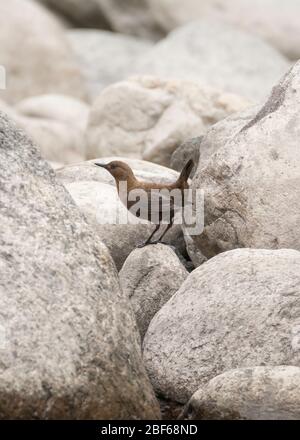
[102,165]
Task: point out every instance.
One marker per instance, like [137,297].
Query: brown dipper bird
[123,173]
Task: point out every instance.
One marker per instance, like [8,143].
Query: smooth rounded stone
[273,20]
[105,57]
[150,117]
[149,277]
[240,309]
[69,343]
[252,183]
[38,58]
[119,230]
[259,393]
[186,151]
[219,55]
[87,13]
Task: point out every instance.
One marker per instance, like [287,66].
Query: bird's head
[119,170]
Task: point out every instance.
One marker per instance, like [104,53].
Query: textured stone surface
[252,183]
[273,20]
[150,276]
[260,393]
[220,56]
[105,57]
[69,344]
[151,117]
[94,191]
[37,58]
[238,310]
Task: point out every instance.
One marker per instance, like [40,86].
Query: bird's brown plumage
[123,173]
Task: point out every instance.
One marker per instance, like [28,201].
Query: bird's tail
[185,173]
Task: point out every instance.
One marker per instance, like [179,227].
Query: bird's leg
[150,238]
[167,229]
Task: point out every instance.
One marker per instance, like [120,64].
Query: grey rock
[252,183]
[37,58]
[105,57]
[149,277]
[238,310]
[259,393]
[69,344]
[219,55]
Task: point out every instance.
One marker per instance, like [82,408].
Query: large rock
[240,309]
[69,345]
[37,57]
[219,55]
[269,19]
[105,57]
[151,117]
[94,191]
[252,183]
[56,123]
[150,277]
[260,393]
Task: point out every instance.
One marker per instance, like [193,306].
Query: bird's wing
[155,204]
